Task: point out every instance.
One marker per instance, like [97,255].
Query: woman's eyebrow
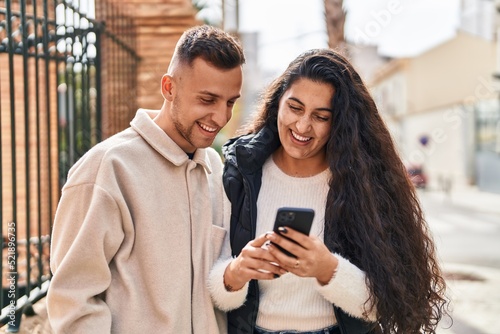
[302,103]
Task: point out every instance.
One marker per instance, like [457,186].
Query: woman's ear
[166,87]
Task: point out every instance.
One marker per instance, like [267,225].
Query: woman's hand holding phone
[254,262]
[312,257]
[291,249]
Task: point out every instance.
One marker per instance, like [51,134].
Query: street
[465,235]
[466,229]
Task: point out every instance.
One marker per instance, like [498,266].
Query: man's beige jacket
[136,232]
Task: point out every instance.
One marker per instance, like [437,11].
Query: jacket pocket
[218,234]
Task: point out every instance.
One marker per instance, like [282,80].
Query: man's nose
[222,115]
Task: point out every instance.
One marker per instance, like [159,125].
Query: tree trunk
[335,19]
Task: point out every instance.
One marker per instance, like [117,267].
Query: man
[136,232]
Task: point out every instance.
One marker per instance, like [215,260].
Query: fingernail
[276,276]
[282,229]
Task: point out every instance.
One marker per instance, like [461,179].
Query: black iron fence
[53,58]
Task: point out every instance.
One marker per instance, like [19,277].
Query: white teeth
[207,128]
[300,138]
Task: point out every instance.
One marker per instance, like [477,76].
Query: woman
[369,263]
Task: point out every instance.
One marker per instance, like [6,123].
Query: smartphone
[300,219]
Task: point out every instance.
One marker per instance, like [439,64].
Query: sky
[287,27]
[400,28]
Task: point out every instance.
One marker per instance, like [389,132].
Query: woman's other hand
[313,259]
[254,262]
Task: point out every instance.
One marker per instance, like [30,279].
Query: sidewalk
[474,290]
[475,295]
[470,197]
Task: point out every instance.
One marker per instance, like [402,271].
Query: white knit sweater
[291,302]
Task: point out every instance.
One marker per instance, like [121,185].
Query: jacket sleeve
[86,235]
[348,290]
[223,299]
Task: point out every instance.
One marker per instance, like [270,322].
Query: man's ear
[166,87]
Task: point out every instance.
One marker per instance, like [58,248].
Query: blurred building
[252,85]
[442,105]
[159,26]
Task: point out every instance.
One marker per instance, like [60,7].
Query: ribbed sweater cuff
[224,300]
[347,289]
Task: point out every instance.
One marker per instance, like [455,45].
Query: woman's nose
[303,124]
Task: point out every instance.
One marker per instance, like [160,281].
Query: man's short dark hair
[212,45]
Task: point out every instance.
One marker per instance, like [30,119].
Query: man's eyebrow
[302,103]
[205,92]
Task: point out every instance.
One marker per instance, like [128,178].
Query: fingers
[294,235]
[245,269]
[257,249]
[312,257]
[289,263]
[259,241]
[296,248]
[255,262]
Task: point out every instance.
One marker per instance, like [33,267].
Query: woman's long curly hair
[372,216]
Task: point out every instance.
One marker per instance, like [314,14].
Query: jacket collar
[144,125]
[249,152]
